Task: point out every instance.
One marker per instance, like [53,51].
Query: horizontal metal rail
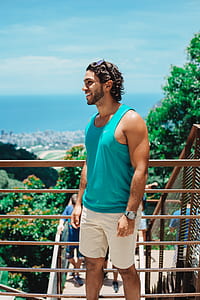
[51,243]
[41,163]
[148,296]
[80,163]
[68,217]
[151,191]
[12,290]
[38,191]
[58,270]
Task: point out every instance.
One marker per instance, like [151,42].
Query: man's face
[92,88]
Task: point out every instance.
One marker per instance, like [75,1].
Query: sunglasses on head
[99,62]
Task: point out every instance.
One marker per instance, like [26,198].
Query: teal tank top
[109,169]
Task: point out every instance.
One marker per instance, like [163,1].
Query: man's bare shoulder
[133,120]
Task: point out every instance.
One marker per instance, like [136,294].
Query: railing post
[148,262]
[162,226]
[59,275]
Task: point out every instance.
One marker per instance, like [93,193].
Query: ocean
[31,113]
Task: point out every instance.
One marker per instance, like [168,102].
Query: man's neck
[107,107]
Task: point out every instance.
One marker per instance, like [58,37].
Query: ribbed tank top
[109,169]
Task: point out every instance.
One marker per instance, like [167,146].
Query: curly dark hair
[107,71]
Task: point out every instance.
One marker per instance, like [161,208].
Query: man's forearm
[82,185]
[136,190]
[76,214]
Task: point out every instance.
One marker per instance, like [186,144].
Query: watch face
[130,215]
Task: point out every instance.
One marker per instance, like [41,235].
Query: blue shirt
[73,233]
[175,223]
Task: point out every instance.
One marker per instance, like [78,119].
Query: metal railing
[55,270]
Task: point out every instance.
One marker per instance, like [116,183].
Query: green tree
[170,123]
[34,229]
[8,183]
[25,230]
[69,177]
[9,151]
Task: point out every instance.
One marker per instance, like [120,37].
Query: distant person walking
[143,222]
[73,236]
[174,225]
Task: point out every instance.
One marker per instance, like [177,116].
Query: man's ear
[109,84]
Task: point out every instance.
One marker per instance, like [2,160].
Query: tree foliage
[69,177]
[169,124]
[8,183]
[28,229]
[34,229]
[9,151]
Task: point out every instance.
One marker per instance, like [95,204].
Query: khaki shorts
[99,231]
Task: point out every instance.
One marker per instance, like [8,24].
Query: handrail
[152,191]
[60,270]
[18,293]
[51,243]
[182,157]
[80,163]
[41,163]
[141,263]
[148,296]
[74,163]
[68,217]
[52,277]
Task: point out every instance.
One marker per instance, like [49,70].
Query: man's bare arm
[137,140]
[139,154]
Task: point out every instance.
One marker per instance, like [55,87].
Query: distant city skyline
[43,140]
[46,45]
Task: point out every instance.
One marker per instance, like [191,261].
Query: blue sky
[45,45]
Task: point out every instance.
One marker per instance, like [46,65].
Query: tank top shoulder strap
[119,114]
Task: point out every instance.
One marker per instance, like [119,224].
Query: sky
[45,45]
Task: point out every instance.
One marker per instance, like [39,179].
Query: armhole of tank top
[117,123]
[122,115]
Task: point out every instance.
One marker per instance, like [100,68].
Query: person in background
[73,236]
[115,283]
[112,181]
[142,228]
[175,225]
[143,222]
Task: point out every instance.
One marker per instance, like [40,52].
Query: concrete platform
[71,288]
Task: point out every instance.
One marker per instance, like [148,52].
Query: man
[73,236]
[112,181]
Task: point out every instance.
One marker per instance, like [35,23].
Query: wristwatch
[131,215]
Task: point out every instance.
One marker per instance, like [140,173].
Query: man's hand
[60,228]
[125,226]
[76,215]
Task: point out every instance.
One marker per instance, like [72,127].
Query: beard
[97,96]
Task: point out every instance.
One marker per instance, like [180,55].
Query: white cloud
[51,55]
[38,74]
[34,64]
[25,29]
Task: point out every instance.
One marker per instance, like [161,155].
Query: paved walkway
[72,289]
